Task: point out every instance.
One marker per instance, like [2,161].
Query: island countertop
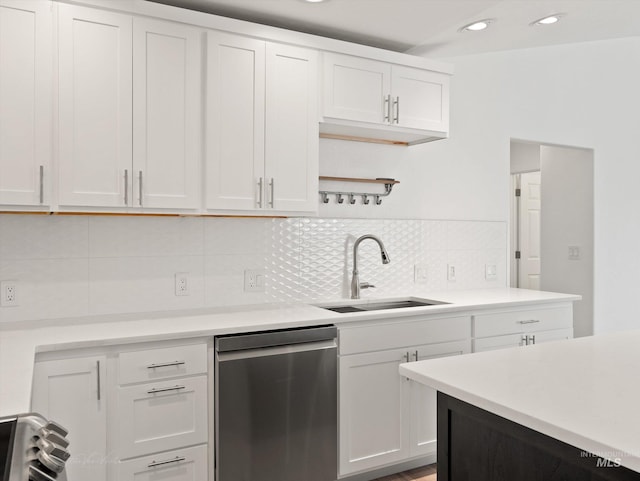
[583,392]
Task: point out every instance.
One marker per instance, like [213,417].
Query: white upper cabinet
[166,114]
[356,88]
[419,99]
[292,148]
[95,141]
[129,101]
[262,126]
[235,122]
[377,100]
[26,60]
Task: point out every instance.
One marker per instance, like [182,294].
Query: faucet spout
[355,279]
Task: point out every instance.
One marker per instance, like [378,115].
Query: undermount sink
[359,306]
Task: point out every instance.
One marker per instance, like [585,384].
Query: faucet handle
[366,285]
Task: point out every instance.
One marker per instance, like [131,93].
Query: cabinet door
[499,342]
[94,160]
[292,129]
[71,392]
[420,99]
[188,464]
[356,88]
[166,111]
[235,122]
[374,401]
[26,59]
[422,424]
[160,416]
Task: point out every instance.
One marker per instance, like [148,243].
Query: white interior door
[529,226]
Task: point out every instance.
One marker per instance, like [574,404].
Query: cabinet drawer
[180,465]
[398,333]
[160,416]
[515,340]
[530,320]
[161,363]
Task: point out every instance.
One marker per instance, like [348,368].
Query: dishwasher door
[276,406]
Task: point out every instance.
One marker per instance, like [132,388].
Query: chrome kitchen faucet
[356,285]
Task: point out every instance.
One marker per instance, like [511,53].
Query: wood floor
[425,473]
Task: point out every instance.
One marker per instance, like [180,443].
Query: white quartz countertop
[584,392]
[20,341]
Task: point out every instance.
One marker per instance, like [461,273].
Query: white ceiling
[430,27]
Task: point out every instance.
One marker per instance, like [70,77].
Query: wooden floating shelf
[341,196]
[354,179]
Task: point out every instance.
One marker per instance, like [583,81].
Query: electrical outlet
[254,280]
[420,275]
[9,293]
[182,284]
[451,273]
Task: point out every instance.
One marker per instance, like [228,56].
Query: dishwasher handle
[222,357]
[280,337]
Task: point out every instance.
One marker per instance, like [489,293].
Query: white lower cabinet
[384,417]
[521,327]
[189,464]
[72,392]
[133,412]
[159,416]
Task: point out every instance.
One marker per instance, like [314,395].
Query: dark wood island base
[476,445]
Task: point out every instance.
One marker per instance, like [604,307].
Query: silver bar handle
[406,357]
[98,378]
[533,339]
[416,355]
[387,108]
[165,364]
[126,186]
[272,188]
[530,321]
[260,189]
[525,340]
[177,459]
[396,103]
[42,184]
[140,188]
[165,389]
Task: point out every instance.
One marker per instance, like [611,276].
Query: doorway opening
[551,224]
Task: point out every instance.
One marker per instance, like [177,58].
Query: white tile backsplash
[72,266]
[43,236]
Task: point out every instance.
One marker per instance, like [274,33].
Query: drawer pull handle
[177,459]
[530,321]
[166,364]
[165,389]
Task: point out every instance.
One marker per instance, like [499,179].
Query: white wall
[525,157]
[583,95]
[567,220]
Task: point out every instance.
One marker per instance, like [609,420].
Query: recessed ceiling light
[477,25]
[548,20]
[314,1]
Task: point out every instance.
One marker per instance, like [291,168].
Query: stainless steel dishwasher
[276,405]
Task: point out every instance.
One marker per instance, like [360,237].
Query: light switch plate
[451,272]
[490,272]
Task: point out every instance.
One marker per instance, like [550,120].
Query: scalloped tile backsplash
[70,266]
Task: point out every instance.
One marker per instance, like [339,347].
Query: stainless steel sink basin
[359,306]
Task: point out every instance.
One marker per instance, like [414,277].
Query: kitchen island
[562,410]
